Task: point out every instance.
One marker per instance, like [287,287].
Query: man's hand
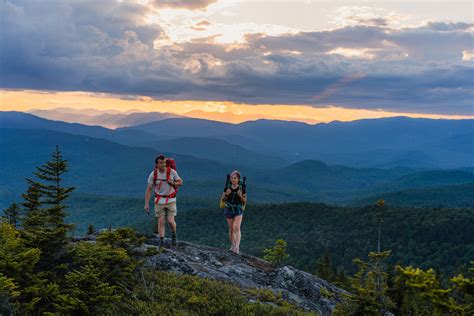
[147,209]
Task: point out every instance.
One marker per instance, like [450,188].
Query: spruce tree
[90,229]
[44,225]
[276,255]
[369,288]
[325,268]
[34,214]
[11,215]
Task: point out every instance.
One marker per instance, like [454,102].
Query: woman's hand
[228,191]
[242,196]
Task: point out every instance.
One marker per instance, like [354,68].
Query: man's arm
[177,180]
[149,188]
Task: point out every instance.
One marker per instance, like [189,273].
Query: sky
[312,61]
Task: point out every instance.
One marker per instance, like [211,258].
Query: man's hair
[160,157]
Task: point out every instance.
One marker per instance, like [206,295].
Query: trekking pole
[227,185]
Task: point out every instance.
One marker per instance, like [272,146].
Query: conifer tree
[35,215]
[12,215]
[369,288]
[422,293]
[90,229]
[325,268]
[276,255]
[44,225]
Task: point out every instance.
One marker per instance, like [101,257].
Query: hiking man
[165,182]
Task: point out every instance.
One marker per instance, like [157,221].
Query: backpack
[170,164]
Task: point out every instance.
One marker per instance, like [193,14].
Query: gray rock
[298,287]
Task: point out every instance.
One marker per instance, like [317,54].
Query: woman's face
[234,179]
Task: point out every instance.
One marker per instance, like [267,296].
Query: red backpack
[170,164]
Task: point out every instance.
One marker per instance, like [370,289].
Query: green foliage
[119,211]
[440,238]
[276,255]
[421,293]
[17,261]
[324,267]
[463,290]
[12,214]
[8,294]
[15,258]
[163,293]
[90,229]
[86,292]
[369,288]
[44,225]
[327,271]
[125,238]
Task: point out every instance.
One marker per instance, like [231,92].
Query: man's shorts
[168,209]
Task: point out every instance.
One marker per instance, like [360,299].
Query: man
[165,200]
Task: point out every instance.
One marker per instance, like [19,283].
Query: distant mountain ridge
[459,195]
[207,148]
[107,118]
[386,142]
[381,143]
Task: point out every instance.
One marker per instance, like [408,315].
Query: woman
[234,196]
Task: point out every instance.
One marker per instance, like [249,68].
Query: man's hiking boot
[162,243]
[174,242]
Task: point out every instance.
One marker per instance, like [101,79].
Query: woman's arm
[242,197]
[226,194]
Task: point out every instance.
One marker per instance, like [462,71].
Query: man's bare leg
[172,224]
[161,230]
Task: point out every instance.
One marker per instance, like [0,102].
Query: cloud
[74,45]
[182,4]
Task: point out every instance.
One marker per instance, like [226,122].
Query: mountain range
[386,142]
[117,162]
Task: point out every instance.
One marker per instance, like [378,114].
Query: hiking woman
[234,196]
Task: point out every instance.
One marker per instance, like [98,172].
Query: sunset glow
[213,110]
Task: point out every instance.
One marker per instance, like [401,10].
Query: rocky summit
[298,287]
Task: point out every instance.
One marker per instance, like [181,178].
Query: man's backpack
[170,164]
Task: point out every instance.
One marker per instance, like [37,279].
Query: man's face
[161,164]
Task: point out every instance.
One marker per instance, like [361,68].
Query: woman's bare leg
[237,234]
[230,223]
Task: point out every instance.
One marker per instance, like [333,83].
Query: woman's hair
[235,173]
